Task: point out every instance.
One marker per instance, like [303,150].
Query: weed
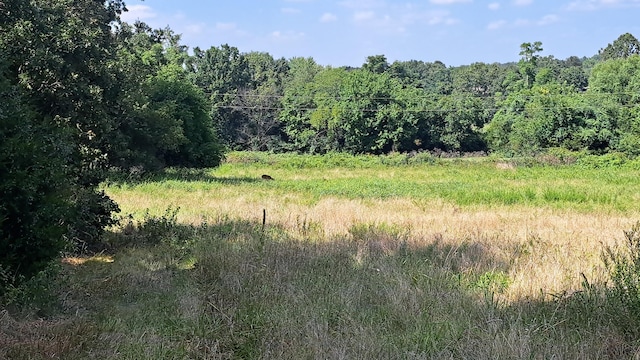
[623,264]
[609,160]
[492,282]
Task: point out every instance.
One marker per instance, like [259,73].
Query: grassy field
[344,257]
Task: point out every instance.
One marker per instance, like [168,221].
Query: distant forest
[266,104]
[82,93]
[261,103]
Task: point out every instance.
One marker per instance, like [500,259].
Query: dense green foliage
[520,108]
[55,114]
[34,192]
[623,47]
[82,93]
[166,118]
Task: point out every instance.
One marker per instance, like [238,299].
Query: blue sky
[345,32]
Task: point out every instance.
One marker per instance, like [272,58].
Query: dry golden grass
[49,338]
[387,273]
[546,249]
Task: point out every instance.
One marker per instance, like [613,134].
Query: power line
[406,110]
[424,97]
[415,104]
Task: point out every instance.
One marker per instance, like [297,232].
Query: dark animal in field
[266,177]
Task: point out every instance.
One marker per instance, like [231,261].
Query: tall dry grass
[341,272]
[547,249]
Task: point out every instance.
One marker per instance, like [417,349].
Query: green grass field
[363,257]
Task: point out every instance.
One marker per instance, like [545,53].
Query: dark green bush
[34,192]
[613,159]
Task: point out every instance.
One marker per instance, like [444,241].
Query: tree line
[83,94]
[524,107]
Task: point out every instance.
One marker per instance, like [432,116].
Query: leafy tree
[358,111]
[143,133]
[376,64]
[589,63]
[301,71]
[574,76]
[485,83]
[462,117]
[615,85]
[479,79]
[325,120]
[431,77]
[58,104]
[547,115]
[623,47]
[373,117]
[528,62]
[35,197]
[529,51]
[167,120]
[189,137]
[549,69]
[222,73]
[297,104]
[260,103]
[311,113]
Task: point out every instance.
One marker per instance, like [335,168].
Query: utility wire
[393,103]
[405,110]
[423,97]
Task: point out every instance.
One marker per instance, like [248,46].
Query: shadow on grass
[234,289]
[177,174]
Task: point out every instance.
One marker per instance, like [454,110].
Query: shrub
[623,265]
[559,156]
[153,231]
[34,192]
[613,159]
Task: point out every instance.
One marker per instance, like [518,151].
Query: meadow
[346,257]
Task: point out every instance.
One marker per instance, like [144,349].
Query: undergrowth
[623,264]
[234,289]
[226,287]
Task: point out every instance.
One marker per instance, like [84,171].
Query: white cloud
[362,4]
[449,2]
[548,19]
[522,2]
[430,18]
[328,17]
[361,16]
[495,25]
[519,23]
[195,29]
[400,20]
[592,5]
[289,10]
[180,16]
[138,12]
[494,6]
[226,26]
[545,20]
[286,36]
[394,18]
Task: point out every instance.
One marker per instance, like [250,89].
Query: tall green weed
[329,160]
[623,265]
